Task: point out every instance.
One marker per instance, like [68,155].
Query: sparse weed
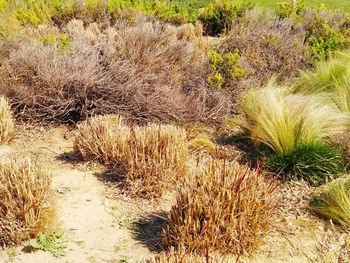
[50,243]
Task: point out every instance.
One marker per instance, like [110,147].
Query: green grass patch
[314,162]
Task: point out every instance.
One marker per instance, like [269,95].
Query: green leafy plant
[226,65]
[332,201]
[50,243]
[288,9]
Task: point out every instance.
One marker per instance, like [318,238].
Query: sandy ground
[97,221]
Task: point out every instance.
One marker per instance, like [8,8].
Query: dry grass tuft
[25,201]
[157,157]
[6,121]
[150,157]
[102,138]
[228,208]
[174,256]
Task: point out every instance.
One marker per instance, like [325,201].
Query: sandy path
[90,220]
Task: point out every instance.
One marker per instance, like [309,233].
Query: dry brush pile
[146,71]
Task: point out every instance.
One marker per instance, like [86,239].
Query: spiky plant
[6,121]
[150,157]
[102,138]
[333,201]
[227,207]
[157,157]
[26,205]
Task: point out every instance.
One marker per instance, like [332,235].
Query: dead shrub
[103,138]
[228,207]
[150,157]
[6,121]
[25,201]
[139,71]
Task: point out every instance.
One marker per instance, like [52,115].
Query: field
[331,4]
[174,132]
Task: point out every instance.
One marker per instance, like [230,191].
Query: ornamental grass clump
[330,77]
[332,201]
[295,129]
[26,201]
[6,121]
[228,207]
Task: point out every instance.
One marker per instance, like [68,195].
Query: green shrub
[218,17]
[226,65]
[314,162]
[286,10]
[333,201]
[327,31]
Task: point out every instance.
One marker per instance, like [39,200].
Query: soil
[101,224]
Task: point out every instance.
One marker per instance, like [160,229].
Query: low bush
[6,121]
[219,16]
[266,47]
[151,157]
[332,201]
[295,128]
[156,73]
[25,203]
[227,207]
